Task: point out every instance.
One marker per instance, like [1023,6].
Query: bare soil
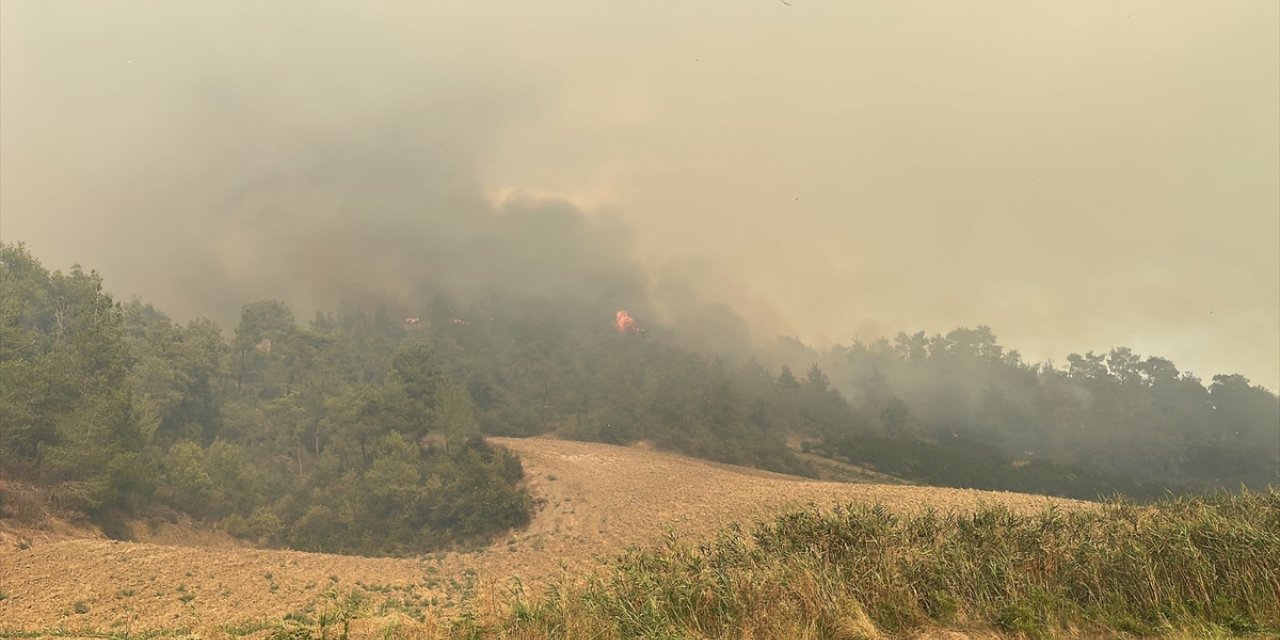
[596,500]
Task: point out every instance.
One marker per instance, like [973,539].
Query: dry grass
[599,500]
[1207,567]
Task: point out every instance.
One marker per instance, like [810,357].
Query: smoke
[216,176]
[394,219]
[1076,176]
[311,153]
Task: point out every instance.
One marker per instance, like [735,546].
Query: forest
[362,430]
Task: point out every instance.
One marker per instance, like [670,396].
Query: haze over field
[1076,175]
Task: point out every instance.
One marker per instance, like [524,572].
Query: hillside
[361,431]
[596,500]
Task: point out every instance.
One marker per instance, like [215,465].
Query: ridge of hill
[596,500]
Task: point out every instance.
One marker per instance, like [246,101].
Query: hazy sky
[1078,175]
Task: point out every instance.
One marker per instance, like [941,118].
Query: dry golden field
[595,500]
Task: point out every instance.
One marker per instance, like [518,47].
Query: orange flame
[624,323]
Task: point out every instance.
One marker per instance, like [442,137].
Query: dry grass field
[595,501]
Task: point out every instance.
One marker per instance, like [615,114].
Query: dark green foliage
[288,435]
[531,368]
[1114,414]
[407,499]
[68,415]
[360,431]
[1198,564]
[970,465]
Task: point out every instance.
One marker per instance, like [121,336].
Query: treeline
[962,463]
[332,438]
[1116,414]
[361,430]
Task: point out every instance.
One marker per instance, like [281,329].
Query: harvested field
[597,500]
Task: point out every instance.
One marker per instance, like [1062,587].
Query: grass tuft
[1207,565]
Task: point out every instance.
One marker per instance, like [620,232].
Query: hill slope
[597,498]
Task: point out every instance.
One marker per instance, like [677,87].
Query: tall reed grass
[1185,566]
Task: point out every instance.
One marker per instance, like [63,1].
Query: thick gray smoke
[1076,175]
[240,154]
[394,219]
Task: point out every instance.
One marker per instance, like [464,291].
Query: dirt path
[598,500]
